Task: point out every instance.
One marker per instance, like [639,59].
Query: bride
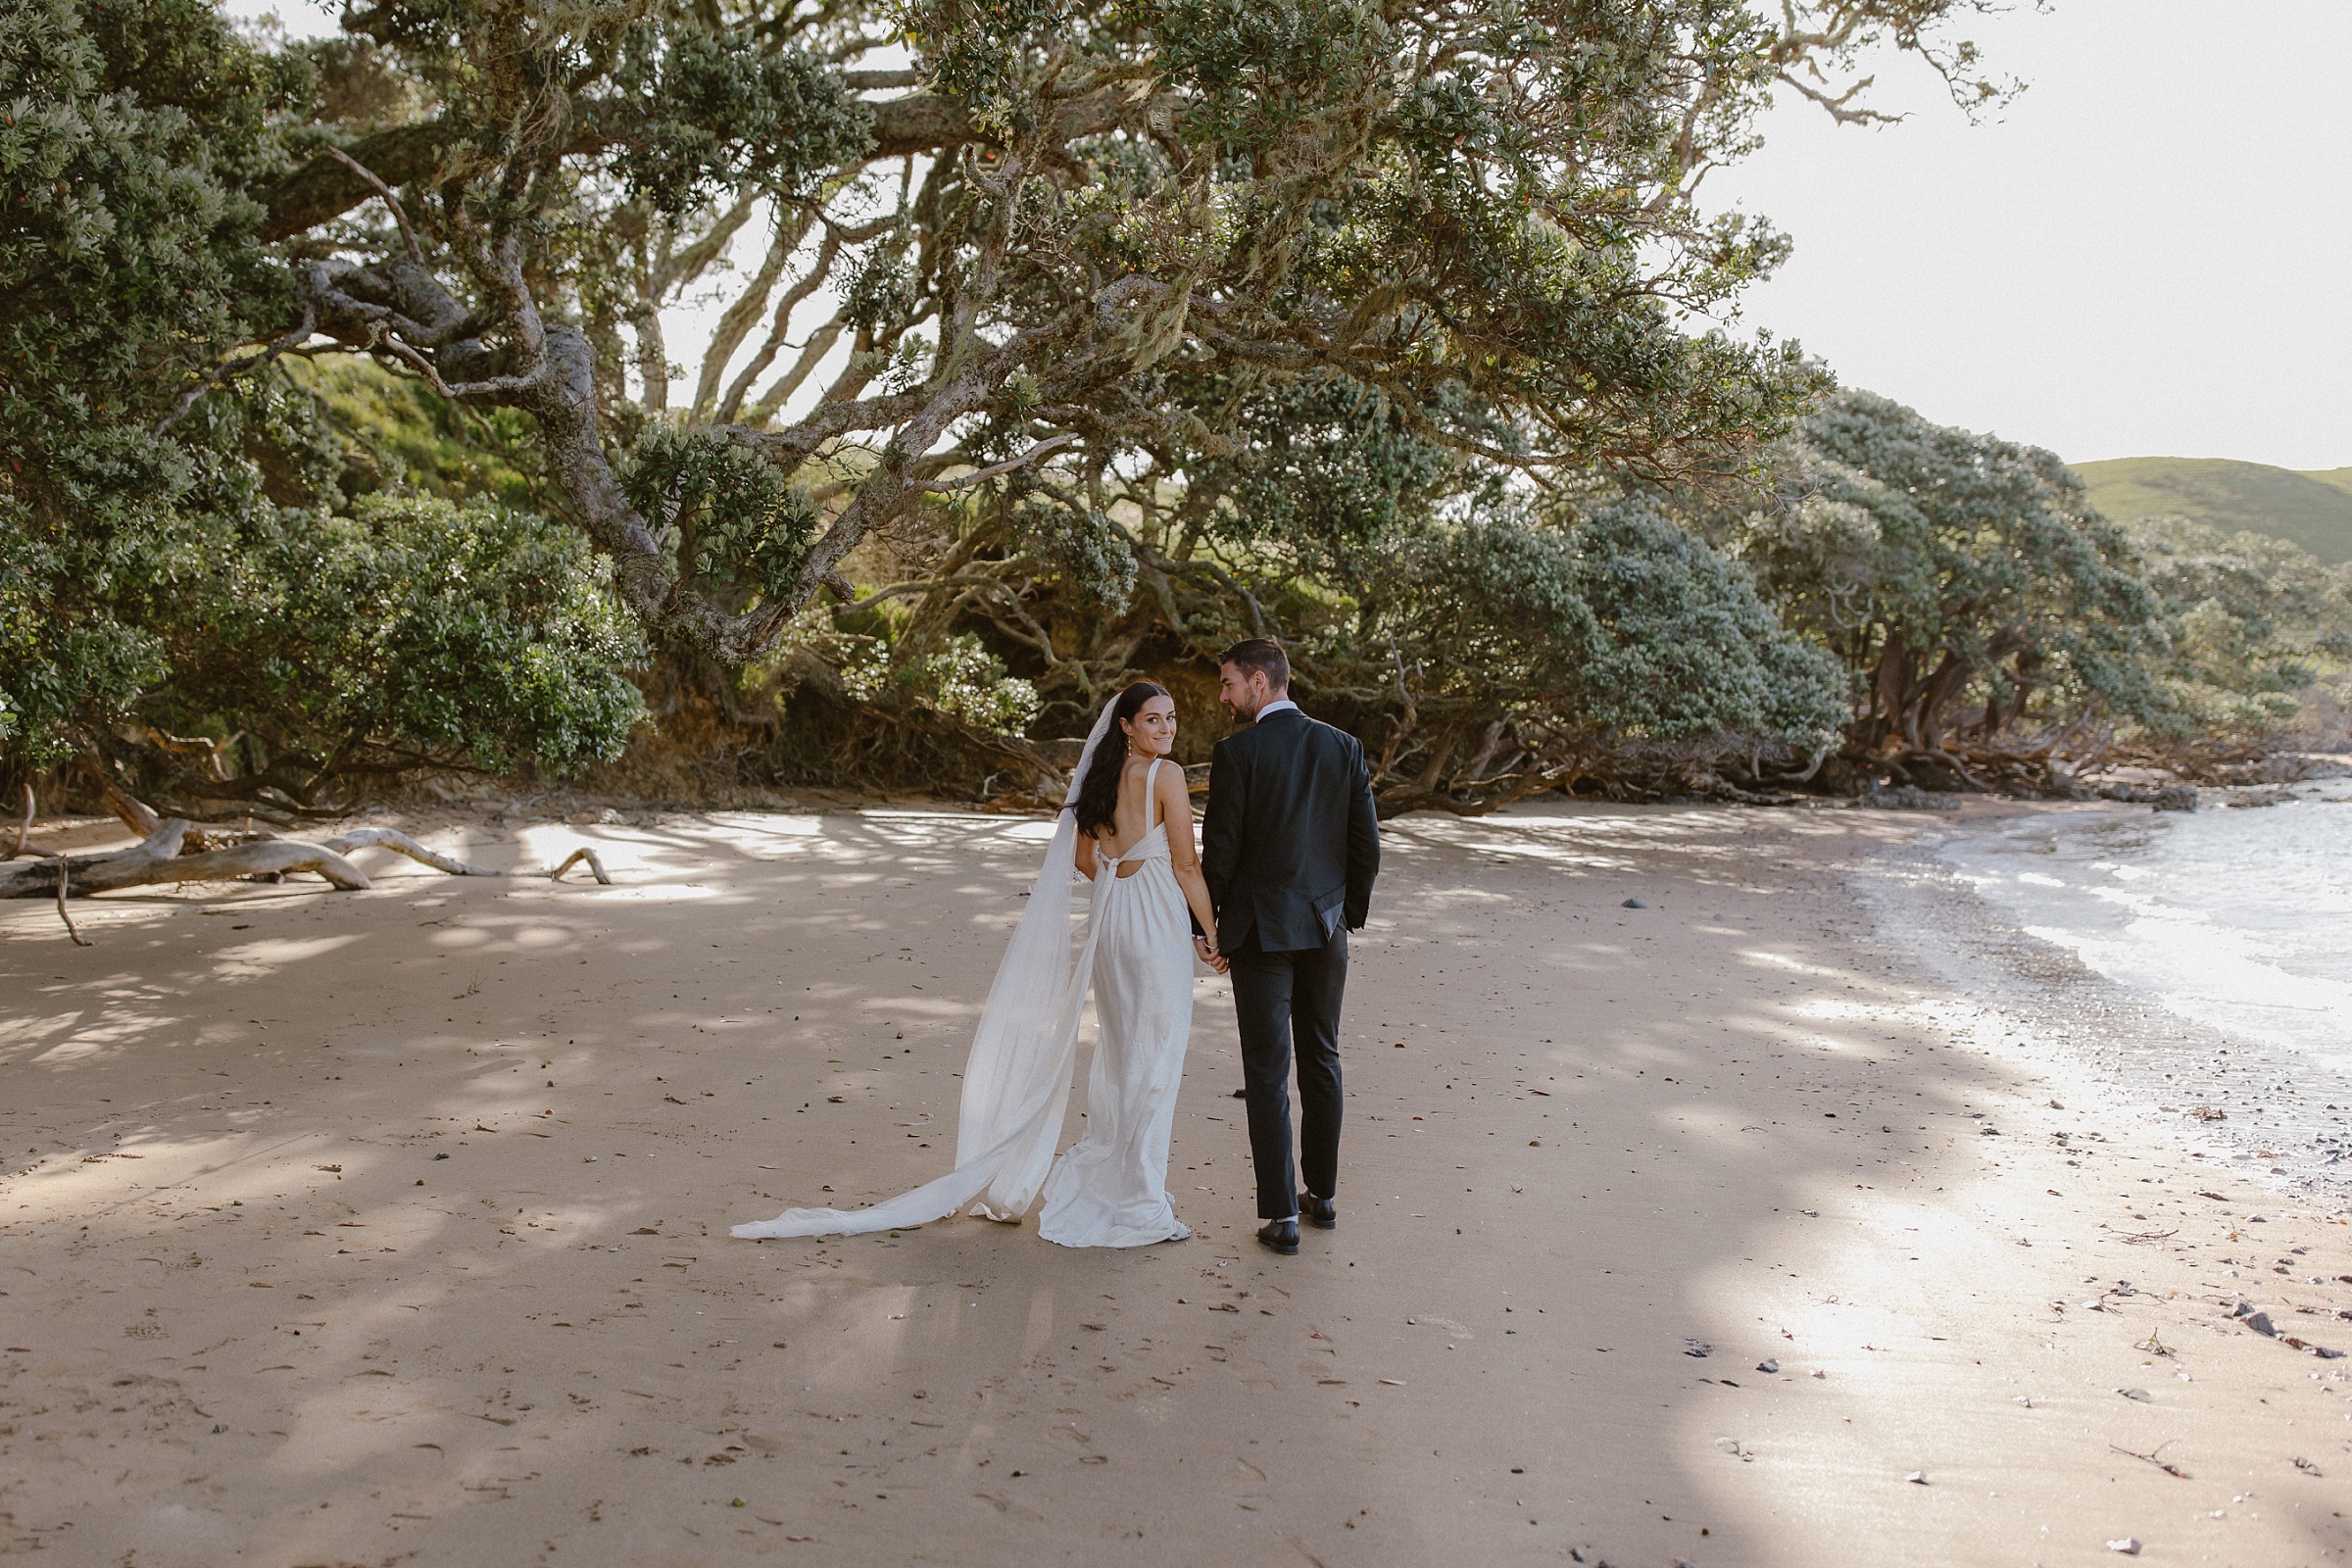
[1135,949]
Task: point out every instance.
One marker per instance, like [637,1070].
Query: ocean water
[2238,918]
[2196,964]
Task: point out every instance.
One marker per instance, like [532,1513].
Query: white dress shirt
[1275,706]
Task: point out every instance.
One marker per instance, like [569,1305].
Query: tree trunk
[1926,724]
[1890,693]
[136,815]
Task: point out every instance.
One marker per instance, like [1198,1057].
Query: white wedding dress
[1110,1188]
[1134,949]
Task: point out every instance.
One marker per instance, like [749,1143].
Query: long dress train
[1017,1076]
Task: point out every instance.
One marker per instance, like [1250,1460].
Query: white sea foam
[2237,920]
[2195,968]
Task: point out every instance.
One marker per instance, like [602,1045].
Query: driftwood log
[159,859]
[392,838]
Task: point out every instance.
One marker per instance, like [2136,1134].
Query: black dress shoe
[1282,1235]
[1241,1093]
[1319,1212]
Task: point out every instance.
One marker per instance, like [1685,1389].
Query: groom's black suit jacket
[1291,842]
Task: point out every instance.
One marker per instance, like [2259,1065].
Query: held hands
[1205,947]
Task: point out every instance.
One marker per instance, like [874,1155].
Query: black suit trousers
[1289,1004]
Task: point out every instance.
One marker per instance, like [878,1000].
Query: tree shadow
[413,1204]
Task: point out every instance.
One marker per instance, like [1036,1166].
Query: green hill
[2312,509]
[2342,478]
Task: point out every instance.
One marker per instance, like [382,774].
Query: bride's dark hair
[1099,795]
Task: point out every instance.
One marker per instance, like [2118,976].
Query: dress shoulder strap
[1152,795]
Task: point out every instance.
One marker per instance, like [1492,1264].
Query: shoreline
[2039,1004]
[1742,1118]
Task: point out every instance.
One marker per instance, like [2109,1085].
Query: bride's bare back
[1138,811]
[1147,798]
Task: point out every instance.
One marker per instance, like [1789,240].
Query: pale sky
[2146,254]
[2150,252]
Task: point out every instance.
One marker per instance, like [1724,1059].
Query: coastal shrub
[127,134]
[1497,240]
[1582,628]
[178,569]
[2255,629]
[411,633]
[1964,581]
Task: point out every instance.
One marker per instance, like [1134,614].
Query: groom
[1289,848]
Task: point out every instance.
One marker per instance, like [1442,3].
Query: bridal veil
[1016,1083]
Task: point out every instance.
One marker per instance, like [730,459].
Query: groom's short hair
[1264,655]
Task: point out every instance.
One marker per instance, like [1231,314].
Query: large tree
[183,543]
[1065,238]
[1965,581]
[2257,634]
[1082,336]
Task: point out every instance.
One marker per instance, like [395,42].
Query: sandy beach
[390,1227]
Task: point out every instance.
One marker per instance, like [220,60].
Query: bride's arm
[1086,856]
[1183,857]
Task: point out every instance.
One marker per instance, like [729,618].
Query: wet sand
[389,1227]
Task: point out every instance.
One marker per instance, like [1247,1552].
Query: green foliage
[1947,569]
[203,572]
[965,682]
[1327,473]
[2251,622]
[880,291]
[977,50]
[709,113]
[122,261]
[1125,221]
[358,85]
[738,521]
[396,434]
[413,630]
[1612,623]
[1082,550]
[1256,72]
[1365,326]
[1484,641]
[959,680]
[120,174]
